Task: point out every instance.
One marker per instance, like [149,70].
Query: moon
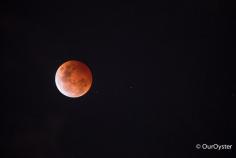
[73,78]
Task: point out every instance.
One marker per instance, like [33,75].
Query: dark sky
[163,79]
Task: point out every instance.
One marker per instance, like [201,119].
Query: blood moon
[73,79]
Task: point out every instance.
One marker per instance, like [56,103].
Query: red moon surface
[73,79]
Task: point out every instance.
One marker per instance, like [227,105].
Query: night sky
[163,79]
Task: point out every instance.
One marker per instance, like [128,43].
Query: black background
[164,79]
